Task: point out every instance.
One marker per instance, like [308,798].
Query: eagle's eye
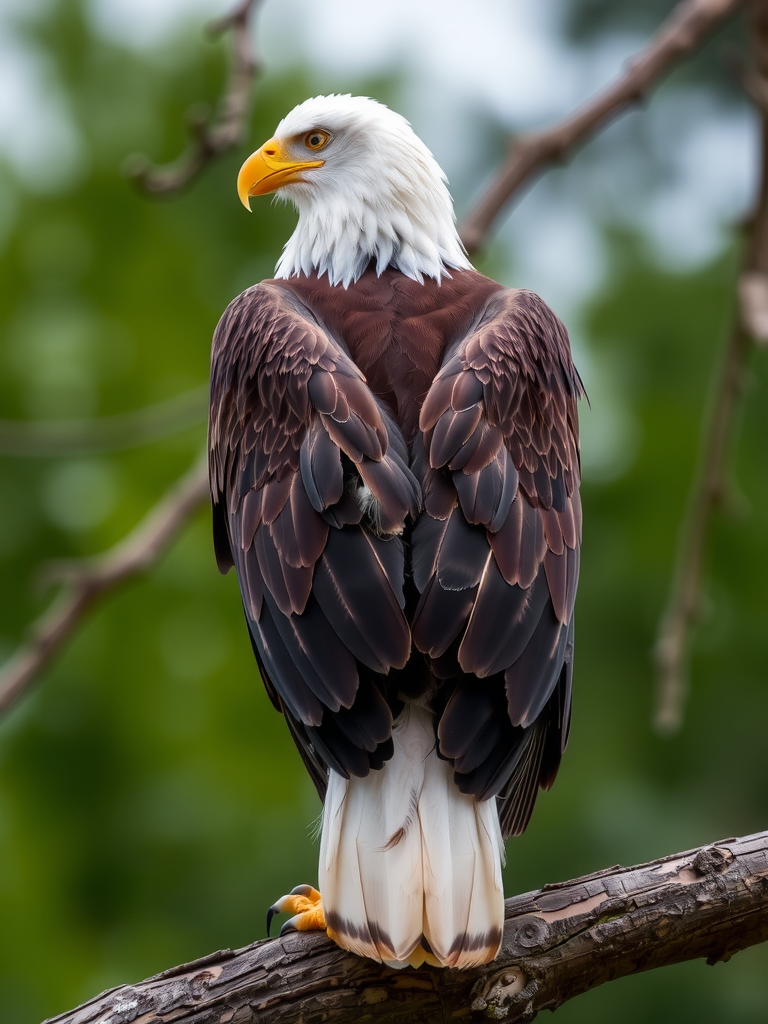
[316,139]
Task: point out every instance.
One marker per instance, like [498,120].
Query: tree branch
[753,302]
[26,439]
[709,488]
[686,28]
[211,140]
[558,942]
[85,582]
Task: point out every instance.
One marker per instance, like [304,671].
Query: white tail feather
[404,854]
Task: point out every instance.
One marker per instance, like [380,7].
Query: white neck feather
[380,196]
[417,243]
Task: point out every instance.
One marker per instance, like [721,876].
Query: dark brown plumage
[395,470]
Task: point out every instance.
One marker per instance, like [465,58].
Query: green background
[151,803]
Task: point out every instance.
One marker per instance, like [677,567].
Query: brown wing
[311,489]
[496,552]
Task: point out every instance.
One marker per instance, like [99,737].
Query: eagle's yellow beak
[269,168]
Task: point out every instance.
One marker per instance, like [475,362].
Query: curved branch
[210,140]
[558,942]
[56,438]
[707,494]
[85,582]
[709,488]
[686,28]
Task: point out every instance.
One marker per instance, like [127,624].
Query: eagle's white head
[366,188]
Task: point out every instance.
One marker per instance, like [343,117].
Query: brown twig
[558,942]
[753,301]
[709,487]
[685,29]
[210,139]
[57,438]
[85,582]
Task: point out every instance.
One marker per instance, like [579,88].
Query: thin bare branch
[85,582]
[710,486]
[753,300]
[211,137]
[685,29]
[558,942]
[707,494]
[58,438]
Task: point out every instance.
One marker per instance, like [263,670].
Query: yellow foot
[306,904]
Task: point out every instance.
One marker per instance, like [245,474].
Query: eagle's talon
[305,903]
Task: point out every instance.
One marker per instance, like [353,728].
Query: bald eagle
[394,466]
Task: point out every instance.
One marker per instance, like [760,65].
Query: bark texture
[558,942]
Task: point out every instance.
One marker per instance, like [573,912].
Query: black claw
[288,927]
[270,914]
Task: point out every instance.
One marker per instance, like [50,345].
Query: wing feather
[324,664]
[440,617]
[462,555]
[502,623]
[496,549]
[355,592]
[296,436]
[294,693]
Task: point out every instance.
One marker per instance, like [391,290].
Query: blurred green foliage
[151,803]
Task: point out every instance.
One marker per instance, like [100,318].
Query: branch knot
[712,860]
[495,996]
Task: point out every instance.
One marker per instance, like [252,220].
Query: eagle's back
[397,330]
